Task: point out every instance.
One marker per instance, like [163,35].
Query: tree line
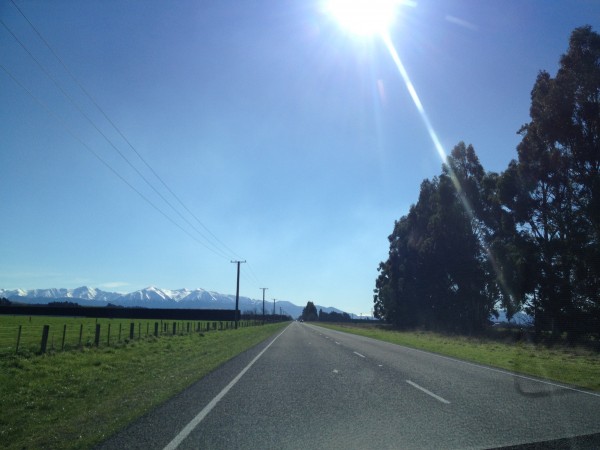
[310,314]
[525,239]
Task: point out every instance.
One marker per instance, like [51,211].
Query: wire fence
[20,335]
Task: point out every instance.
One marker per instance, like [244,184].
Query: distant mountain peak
[154,297]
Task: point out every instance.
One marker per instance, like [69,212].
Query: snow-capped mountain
[80,293]
[153,297]
[149,295]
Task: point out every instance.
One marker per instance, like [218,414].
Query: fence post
[174,328]
[80,333]
[18,339]
[97,335]
[62,344]
[108,338]
[139,330]
[147,328]
[131,330]
[155,329]
[188,327]
[44,344]
[120,332]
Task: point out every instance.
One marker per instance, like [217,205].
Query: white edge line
[437,397]
[356,353]
[185,432]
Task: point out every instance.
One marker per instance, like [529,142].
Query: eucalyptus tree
[555,199]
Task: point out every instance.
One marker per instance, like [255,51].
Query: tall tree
[309,313]
[436,274]
[557,173]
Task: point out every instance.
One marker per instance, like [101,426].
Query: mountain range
[153,297]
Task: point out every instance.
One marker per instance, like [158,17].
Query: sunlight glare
[364,17]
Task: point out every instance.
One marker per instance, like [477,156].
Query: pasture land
[23,334]
[577,366]
[77,398]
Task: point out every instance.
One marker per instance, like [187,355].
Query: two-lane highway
[311,387]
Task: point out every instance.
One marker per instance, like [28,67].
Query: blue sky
[295,143]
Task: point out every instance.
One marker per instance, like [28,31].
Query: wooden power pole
[237,293]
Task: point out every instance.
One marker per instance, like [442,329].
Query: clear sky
[295,143]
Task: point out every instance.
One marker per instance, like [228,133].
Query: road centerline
[362,356]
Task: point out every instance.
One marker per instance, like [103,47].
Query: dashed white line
[356,353]
[437,397]
[337,342]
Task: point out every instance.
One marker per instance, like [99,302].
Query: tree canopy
[309,313]
[525,239]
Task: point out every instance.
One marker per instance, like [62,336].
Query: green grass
[572,365]
[77,398]
[112,331]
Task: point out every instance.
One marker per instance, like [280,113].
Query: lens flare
[443,156]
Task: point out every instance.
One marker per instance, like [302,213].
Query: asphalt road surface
[313,388]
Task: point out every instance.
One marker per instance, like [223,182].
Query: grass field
[77,398]
[572,365]
[73,332]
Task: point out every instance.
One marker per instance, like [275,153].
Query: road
[314,388]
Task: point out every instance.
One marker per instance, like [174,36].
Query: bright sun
[364,17]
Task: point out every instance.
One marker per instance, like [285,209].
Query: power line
[91,98]
[102,160]
[215,247]
[213,243]
[70,99]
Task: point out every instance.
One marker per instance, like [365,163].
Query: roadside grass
[80,331]
[576,366]
[78,398]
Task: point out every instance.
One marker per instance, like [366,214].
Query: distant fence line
[122,313]
[42,338]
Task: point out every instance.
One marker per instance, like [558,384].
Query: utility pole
[264,289]
[237,293]
[273,306]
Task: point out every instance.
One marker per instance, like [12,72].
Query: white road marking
[335,371]
[337,342]
[185,432]
[481,366]
[437,397]
[356,353]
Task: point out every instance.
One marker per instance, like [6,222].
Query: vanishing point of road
[314,388]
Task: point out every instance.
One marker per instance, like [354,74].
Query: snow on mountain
[6,293]
[82,292]
[200,295]
[153,297]
[149,295]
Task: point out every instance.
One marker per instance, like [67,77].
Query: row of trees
[524,239]
[309,313]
